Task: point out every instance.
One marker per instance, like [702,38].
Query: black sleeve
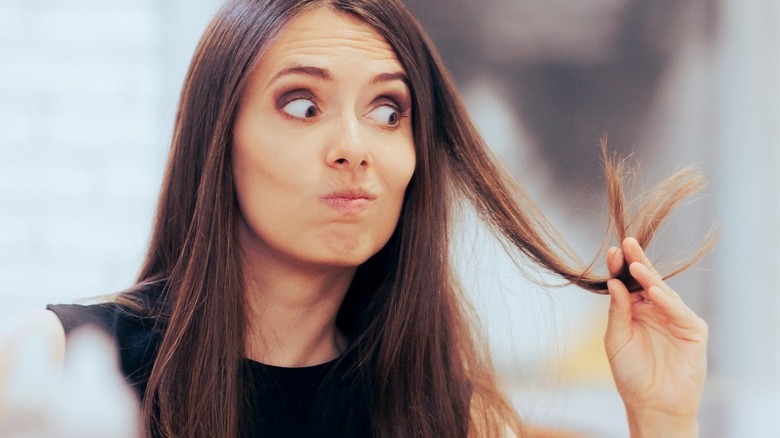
[135,337]
[74,316]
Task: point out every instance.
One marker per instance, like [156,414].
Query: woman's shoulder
[131,319]
[117,315]
[74,316]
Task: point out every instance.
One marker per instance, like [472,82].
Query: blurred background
[88,91]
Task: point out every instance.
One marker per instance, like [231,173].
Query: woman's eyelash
[399,102]
[396,102]
[290,96]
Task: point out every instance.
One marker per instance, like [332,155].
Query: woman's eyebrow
[325,74]
[389,77]
[317,72]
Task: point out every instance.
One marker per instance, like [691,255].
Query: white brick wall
[87,94]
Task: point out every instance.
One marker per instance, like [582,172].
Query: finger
[618,268]
[634,253]
[619,320]
[683,321]
[648,278]
[616,264]
[615,261]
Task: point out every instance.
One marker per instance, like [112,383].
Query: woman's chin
[345,261]
[344,253]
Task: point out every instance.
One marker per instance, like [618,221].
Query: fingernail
[637,265]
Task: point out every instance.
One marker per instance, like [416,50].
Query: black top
[315,401]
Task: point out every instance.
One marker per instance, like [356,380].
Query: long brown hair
[419,360]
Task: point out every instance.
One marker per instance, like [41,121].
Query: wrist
[650,423]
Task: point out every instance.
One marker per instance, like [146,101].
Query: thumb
[620,317]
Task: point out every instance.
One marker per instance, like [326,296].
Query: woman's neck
[291,317]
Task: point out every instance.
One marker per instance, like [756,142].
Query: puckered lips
[349,201]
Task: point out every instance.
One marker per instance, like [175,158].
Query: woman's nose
[348,149]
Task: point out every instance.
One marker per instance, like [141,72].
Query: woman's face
[323,147]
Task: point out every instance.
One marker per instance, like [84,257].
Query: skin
[656,347]
[322,154]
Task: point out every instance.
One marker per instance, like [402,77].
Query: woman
[298,280]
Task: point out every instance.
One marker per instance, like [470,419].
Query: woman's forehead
[323,36]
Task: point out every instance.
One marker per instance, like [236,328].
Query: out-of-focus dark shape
[573,69]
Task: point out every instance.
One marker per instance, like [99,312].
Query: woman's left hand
[656,347]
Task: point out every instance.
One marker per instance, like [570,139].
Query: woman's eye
[301,108]
[386,114]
